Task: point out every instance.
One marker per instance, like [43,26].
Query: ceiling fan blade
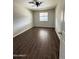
[35,0]
[31,2]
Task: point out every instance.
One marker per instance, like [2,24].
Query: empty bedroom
[38,29]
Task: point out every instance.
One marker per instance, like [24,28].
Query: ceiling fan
[37,3]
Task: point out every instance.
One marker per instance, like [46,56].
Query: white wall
[49,23]
[60,26]
[22,19]
[59,23]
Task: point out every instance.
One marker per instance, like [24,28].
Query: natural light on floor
[43,34]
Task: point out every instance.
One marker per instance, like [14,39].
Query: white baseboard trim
[45,26]
[21,32]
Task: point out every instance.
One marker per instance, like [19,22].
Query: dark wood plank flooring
[36,43]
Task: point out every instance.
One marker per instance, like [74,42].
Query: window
[44,16]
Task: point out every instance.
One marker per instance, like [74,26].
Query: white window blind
[44,16]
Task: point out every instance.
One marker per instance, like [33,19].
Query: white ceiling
[47,4]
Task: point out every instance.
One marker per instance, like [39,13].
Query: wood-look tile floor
[36,43]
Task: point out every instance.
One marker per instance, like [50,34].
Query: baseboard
[44,27]
[30,28]
[57,33]
[21,32]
